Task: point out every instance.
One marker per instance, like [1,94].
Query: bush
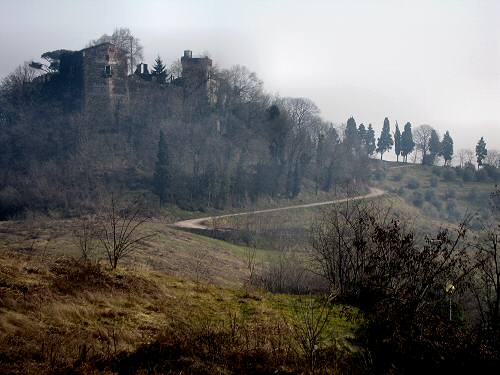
[450,194]
[430,194]
[472,196]
[449,175]
[379,175]
[434,182]
[436,171]
[468,174]
[431,197]
[482,176]
[413,183]
[397,177]
[417,199]
[493,173]
[452,210]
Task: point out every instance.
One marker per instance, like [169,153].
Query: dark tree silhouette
[481,151]
[447,148]
[407,143]
[370,140]
[161,178]
[385,141]
[397,142]
[159,70]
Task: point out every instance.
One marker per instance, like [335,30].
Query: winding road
[200,222]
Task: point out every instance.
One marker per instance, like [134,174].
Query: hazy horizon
[417,61]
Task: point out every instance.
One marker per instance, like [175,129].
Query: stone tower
[199,86]
[96,78]
[104,77]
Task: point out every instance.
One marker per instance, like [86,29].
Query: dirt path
[200,222]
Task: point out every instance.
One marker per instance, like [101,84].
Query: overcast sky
[434,62]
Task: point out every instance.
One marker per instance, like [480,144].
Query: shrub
[413,183]
[452,210]
[449,174]
[450,194]
[379,175]
[434,182]
[482,176]
[468,174]
[417,199]
[472,196]
[436,171]
[397,177]
[429,195]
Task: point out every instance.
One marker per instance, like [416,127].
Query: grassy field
[57,314]
[436,192]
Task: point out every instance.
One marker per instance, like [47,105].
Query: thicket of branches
[431,302]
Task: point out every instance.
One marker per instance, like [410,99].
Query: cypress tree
[351,132]
[434,147]
[384,142]
[161,177]
[407,143]
[397,142]
[481,151]
[447,148]
[370,140]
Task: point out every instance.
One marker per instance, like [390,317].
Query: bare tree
[175,69]
[309,327]
[470,157]
[243,84]
[123,38]
[492,158]
[486,287]
[422,138]
[461,155]
[120,233]
[86,235]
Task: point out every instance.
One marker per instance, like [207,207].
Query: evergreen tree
[370,140]
[320,159]
[351,132]
[481,151]
[397,142]
[161,177]
[362,133]
[407,143]
[434,147]
[447,148]
[159,70]
[385,141]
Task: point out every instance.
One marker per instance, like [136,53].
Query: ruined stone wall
[104,79]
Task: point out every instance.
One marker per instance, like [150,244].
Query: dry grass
[169,250]
[60,314]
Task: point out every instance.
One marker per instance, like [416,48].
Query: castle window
[107,71]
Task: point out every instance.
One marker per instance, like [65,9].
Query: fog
[420,61]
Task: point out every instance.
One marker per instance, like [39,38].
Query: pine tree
[161,177]
[370,140]
[397,142]
[159,70]
[407,143]
[447,148]
[481,151]
[385,141]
